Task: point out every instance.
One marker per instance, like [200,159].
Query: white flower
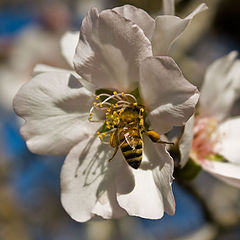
[113,53]
[213,137]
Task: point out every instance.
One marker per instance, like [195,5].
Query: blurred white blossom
[212,137]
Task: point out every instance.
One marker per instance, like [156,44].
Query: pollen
[100,137]
[104,134]
[97,97]
[122,94]
[100,105]
[134,104]
[142,109]
[98,133]
[114,93]
[95,104]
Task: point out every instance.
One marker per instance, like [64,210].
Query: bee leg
[155,137]
[114,153]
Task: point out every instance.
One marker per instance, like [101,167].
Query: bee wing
[131,140]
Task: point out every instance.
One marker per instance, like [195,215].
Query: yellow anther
[112,105]
[116,105]
[107,122]
[90,113]
[98,133]
[100,137]
[104,134]
[95,104]
[142,109]
[114,93]
[108,110]
[107,113]
[122,94]
[134,104]
[90,118]
[97,97]
[114,113]
[100,105]
[108,127]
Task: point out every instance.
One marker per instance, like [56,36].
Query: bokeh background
[30,207]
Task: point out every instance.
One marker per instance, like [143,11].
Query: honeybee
[128,135]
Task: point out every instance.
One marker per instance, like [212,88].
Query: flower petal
[87,181]
[42,68]
[155,167]
[138,16]
[110,50]
[55,107]
[227,137]
[227,172]
[168,96]
[220,87]
[169,28]
[185,143]
[68,46]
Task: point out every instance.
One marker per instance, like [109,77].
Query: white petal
[55,107]
[227,172]
[185,143]
[163,177]
[169,7]
[138,16]
[221,86]
[169,28]
[227,136]
[147,197]
[87,181]
[168,96]
[42,68]
[68,46]
[110,51]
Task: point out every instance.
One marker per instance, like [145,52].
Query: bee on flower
[124,94]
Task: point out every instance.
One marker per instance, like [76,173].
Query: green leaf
[189,171]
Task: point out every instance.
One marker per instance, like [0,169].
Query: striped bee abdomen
[131,147]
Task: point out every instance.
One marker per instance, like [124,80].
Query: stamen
[130,95]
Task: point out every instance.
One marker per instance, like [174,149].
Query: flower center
[203,142]
[113,106]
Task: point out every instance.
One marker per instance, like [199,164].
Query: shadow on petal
[97,164]
[74,82]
